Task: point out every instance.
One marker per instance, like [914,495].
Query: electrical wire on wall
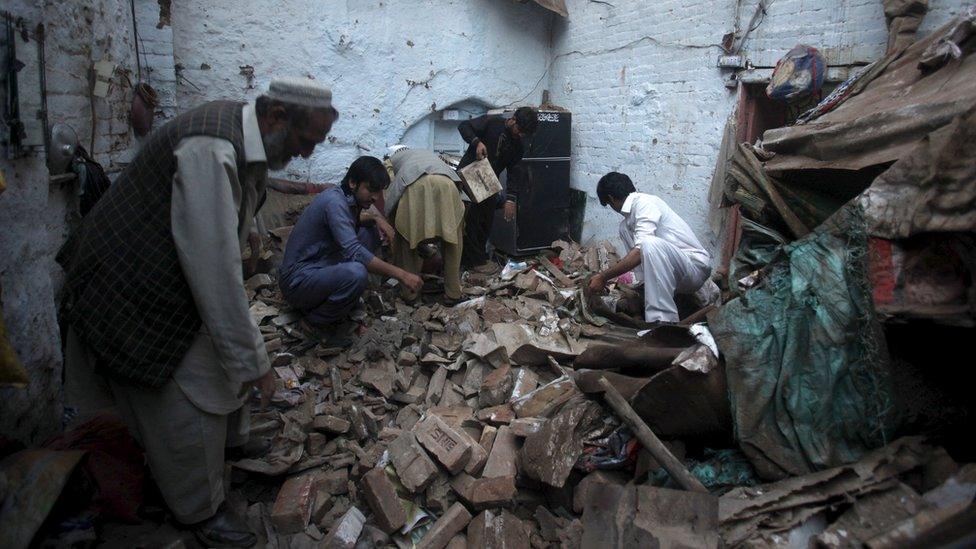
[757,18]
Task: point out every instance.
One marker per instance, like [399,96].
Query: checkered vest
[125,293]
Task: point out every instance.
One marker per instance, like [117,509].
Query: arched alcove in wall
[438,130]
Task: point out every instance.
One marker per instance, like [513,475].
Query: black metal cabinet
[542,215]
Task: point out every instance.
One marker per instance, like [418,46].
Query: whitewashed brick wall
[35,215]
[389,63]
[648,99]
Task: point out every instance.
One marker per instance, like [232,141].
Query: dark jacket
[125,293]
[504,151]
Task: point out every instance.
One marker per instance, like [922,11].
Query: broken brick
[483,493]
[330,424]
[488,438]
[458,542]
[449,447]
[580,495]
[497,415]
[436,386]
[524,382]
[293,506]
[413,466]
[543,400]
[526,426]
[380,379]
[334,482]
[503,459]
[454,416]
[496,387]
[494,530]
[382,499]
[451,523]
[346,531]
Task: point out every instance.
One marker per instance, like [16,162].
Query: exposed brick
[447,526]
[330,424]
[497,530]
[346,531]
[293,506]
[414,468]
[449,446]
[382,498]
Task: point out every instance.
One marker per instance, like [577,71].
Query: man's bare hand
[412,281]
[266,386]
[481,150]
[387,230]
[509,210]
[597,284]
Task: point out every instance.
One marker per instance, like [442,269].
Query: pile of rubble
[528,415]
[440,425]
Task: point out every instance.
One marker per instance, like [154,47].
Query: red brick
[293,506]
[413,466]
[382,498]
[450,524]
[494,530]
[449,447]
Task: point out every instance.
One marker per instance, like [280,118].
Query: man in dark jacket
[498,139]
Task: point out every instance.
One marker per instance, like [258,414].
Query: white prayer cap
[300,91]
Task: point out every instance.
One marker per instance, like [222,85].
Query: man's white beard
[274,147]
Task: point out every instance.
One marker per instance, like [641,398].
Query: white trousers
[665,270]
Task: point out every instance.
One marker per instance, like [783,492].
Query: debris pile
[442,425]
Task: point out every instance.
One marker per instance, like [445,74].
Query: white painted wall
[35,215]
[390,63]
[648,99]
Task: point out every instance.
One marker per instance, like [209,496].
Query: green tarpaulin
[805,355]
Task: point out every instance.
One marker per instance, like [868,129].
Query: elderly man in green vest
[154,296]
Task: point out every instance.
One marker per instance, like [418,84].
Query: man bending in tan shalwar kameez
[424,204]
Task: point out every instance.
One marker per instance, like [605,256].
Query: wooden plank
[792,221]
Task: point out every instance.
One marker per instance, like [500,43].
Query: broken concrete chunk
[346,531]
[382,498]
[450,447]
[293,506]
[451,523]
[330,424]
[494,530]
[415,469]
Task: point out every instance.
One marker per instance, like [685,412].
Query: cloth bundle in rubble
[799,74]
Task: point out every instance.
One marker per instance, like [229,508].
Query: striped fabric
[125,293]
